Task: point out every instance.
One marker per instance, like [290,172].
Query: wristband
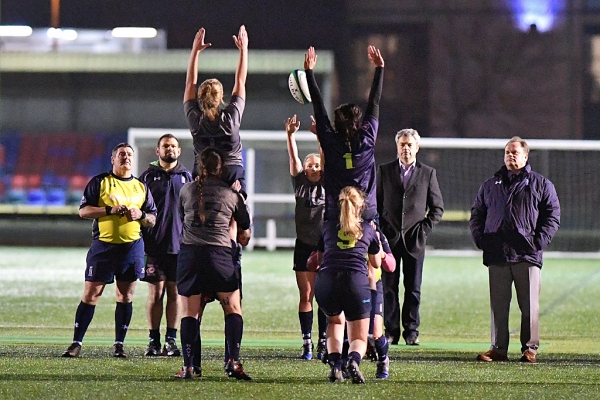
[108,210]
[143,215]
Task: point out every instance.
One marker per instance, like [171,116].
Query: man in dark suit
[409,203]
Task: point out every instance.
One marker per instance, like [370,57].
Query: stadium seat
[16,196]
[56,197]
[36,197]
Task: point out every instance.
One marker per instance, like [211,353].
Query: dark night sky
[271,24]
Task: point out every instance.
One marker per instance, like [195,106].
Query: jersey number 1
[348,158]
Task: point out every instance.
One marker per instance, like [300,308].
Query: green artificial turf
[41,287]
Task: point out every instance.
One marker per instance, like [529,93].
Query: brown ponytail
[210,164]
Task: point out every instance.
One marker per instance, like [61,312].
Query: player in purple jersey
[310,206]
[164,177]
[211,124]
[349,145]
[342,285]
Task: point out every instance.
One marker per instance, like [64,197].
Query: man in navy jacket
[164,179]
[514,218]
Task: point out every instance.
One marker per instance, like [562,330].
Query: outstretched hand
[241,40]
[199,44]
[292,125]
[375,56]
[310,58]
[313,125]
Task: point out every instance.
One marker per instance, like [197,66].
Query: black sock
[197,348]
[372,316]
[381,347]
[83,317]
[306,321]
[354,355]
[171,334]
[335,360]
[190,336]
[322,324]
[155,335]
[123,313]
[234,328]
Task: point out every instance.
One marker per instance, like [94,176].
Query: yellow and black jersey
[109,190]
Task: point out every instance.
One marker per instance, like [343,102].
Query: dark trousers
[412,269]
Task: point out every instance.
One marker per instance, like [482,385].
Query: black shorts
[107,261]
[161,268]
[346,290]
[205,269]
[378,303]
[301,253]
[234,173]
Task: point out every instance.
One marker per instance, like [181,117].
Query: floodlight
[15,30]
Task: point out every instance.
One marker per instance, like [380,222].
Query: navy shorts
[346,290]
[161,268]
[301,253]
[107,261]
[231,173]
[234,173]
[205,269]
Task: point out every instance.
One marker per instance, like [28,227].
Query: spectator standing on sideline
[513,219]
[120,205]
[310,206]
[164,178]
[410,204]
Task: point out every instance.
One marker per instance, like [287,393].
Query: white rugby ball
[298,86]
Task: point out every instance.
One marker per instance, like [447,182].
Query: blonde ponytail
[351,202]
[210,97]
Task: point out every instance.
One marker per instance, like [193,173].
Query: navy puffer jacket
[514,220]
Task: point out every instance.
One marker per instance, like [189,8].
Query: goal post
[461,165]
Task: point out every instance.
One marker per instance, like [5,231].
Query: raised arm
[310,60]
[191,78]
[375,94]
[241,42]
[291,127]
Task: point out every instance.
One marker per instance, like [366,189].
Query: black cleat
[322,350]
[383,369]
[170,349]
[354,372]
[118,350]
[335,375]
[235,370]
[307,351]
[73,350]
[188,373]
[153,349]
[371,353]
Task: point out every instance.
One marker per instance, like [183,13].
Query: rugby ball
[298,86]
[388,263]
[312,264]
